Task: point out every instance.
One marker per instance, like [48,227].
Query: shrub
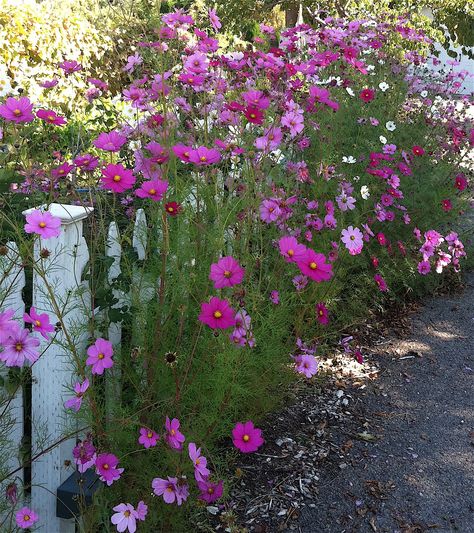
[286,189]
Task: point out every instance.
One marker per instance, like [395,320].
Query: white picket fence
[53,374]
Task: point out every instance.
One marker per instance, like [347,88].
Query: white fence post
[53,372]
[12,281]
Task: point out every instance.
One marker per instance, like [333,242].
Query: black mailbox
[75,493]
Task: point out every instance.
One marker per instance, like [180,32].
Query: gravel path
[416,473]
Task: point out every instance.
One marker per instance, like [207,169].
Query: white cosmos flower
[424,94]
[350,92]
[391,126]
[383,86]
[356,178]
[383,139]
[364,192]
[370,68]
[349,159]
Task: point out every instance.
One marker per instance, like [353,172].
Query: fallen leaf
[367,437]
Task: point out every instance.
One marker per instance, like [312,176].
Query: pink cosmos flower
[124,518]
[382,285]
[294,122]
[110,142]
[84,455]
[154,189]
[173,436]
[48,84]
[25,518]
[460,182]
[40,322]
[271,139]
[204,156]
[315,267]
[86,162]
[17,111]
[217,314]
[226,273]
[20,345]
[43,224]
[100,356]
[148,437]
[105,466]
[353,239]
[198,63]
[210,492]
[117,178]
[269,211]
[167,488]
[367,95]
[201,472]
[214,19]
[75,402]
[50,117]
[246,437]
[322,314]
[7,325]
[141,510]
[306,365]
[62,170]
[424,267]
[182,152]
[256,99]
[291,249]
[69,67]
[275,297]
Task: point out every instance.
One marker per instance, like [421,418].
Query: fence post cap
[67,213]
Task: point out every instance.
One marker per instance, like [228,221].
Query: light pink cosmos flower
[269,211]
[141,510]
[154,189]
[424,267]
[214,19]
[173,436]
[246,437]
[201,472]
[294,122]
[43,224]
[170,489]
[353,239]
[148,438]
[210,492]
[306,365]
[40,322]
[75,402]
[20,345]
[217,314]
[110,142]
[17,111]
[7,325]
[226,273]
[315,267]
[25,518]
[125,518]
[69,67]
[117,178]
[100,356]
[105,466]
[291,249]
[50,117]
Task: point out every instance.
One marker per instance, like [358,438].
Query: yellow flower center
[210,490]
[26,518]
[227,274]
[18,346]
[149,434]
[186,154]
[321,312]
[173,432]
[51,118]
[117,178]
[170,210]
[169,489]
[352,237]
[198,461]
[252,115]
[217,314]
[152,191]
[42,224]
[37,323]
[17,112]
[100,356]
[313,265]
[203,158]
[105,466]
[291,253]
[245,438]
[126,514]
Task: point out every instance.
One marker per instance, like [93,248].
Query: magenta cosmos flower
[381,284]
[50,117]
[173,436]
[40,322]
[25,518]
[154,190]
[306,365]
[210,492]
[201,472]
[166,487]
[315,267]
[20,345]
[217,314]
[75,402]
[7,325]
[69,67]
[353,239]
[117,178]
[125,518]
[148,437]
[204,156]
[291,249]
[322,313]
[17,111]
[43,224]
[105,466]
[100,356]
[246,437]
[110,142]
[226,273]
[367,95]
